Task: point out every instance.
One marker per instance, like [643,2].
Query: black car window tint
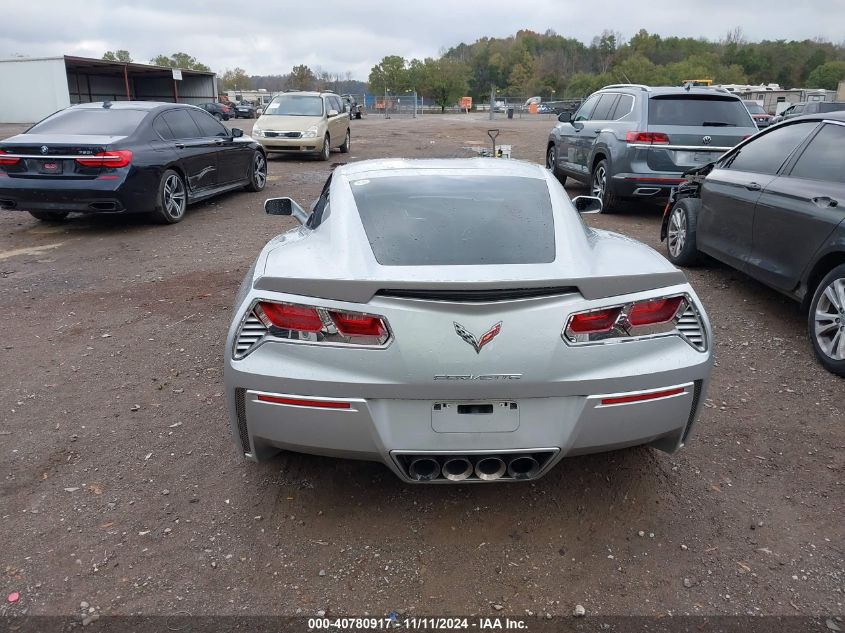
[604,107]
[586,108]
[823,158]
[769,151]
[697,110]
[162,129]
[453,220]
[320,209]
[181,124]
[94,121]
[623,107]
[208,125]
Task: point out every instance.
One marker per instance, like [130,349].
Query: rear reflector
[649,138]
[654,312]
[287,316]
[594,322]
[299,402]
[118,158]
[640,397]
[7,161]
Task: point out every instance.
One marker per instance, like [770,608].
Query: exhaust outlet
[489,468]
[424,469]
[457,468]
[523,467]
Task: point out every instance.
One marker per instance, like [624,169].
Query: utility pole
[492,100]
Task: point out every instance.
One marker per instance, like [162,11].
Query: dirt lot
[121,486]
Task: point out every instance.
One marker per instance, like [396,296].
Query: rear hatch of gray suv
[688,130]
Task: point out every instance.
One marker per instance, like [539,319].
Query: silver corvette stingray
[456,320]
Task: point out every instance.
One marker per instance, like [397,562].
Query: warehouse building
[37,87]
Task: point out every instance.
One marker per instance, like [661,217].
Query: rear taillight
[313,324]
[288,316]
[659,316]
[116,158]
[653,312]
[594,322]
[647,138]
[7,161]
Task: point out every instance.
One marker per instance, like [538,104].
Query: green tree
[444,80]
[235,79]
[119,55]
[522,74]
[301,78]
[390,74]
[179,60]
[827,76]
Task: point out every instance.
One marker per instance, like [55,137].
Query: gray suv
[630,141]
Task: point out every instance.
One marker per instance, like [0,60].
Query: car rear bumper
[396,431]
[652,185]
[97,195]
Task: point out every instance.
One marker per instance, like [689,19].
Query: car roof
[481,166]
[310,93]
[652,91]
[835,115]
[129,105]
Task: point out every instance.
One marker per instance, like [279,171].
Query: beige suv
[303,123]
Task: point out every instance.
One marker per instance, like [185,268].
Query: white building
[36,87]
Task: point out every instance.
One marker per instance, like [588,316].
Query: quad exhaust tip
[457,468]
[424,469]
[490,468]
[523,467]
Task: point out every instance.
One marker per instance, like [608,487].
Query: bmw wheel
[551,163]
[172,198]
[324,153]
[681,247]
[826,321]
[258,175]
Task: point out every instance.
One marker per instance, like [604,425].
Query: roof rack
[640,86]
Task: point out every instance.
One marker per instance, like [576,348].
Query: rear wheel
[681,246]
[258,175]
[344,149]
[172,199]
[324,154]
[49,216]
[600,188]
[826,321]
[551,163]
[218,116]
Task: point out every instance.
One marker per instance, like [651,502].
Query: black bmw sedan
[127,156]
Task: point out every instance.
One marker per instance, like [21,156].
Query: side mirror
[285,206]
[259,111]
[587,204]
[333,113]
[564,117]
[237,132]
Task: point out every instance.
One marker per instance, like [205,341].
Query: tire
[218,116]
[826,321]
[344,149]
[258,172]
[600,188]
[358,115]
[681,245]
[172,198]
[551,163]
[327,149]
[50,216]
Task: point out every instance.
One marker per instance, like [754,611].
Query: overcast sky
[271,36]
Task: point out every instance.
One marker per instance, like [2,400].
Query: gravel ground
[121,487]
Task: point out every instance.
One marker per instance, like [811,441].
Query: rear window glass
[102,121]
[755,108]
[831,107]
[698,111]
[456,220]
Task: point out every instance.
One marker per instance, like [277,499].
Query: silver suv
[629,141]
